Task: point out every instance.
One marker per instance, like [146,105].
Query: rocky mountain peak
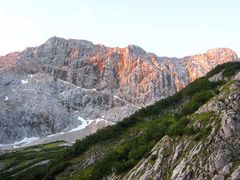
[135,51]
[93,80]
[54,39]
[194,134]
[218,53]
[198,65]
[57,42]
[8,61]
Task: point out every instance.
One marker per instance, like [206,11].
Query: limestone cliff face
[130,73]
[44,89]
[200,64]
[215,156]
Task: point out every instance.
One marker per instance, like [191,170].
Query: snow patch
[84,124]
[24,141]
[55,134]
[6,98]
[99,119]
[90,121]
[24,81]
[4,145]
[32,75]
[93,89]
[116,97]
[81,126]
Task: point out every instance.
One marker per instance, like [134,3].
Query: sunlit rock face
[200,64]
[44,89]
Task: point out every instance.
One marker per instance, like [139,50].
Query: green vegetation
[17,163]
[128,153]
[228,69]
[196,101]
[172,103]
[138,134]
[126,143]
[203,133]
[203,118]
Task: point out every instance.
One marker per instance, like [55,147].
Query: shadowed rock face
[44,89]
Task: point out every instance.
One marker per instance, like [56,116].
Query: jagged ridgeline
[65,83]
[193,134]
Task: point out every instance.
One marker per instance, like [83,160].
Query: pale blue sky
[165,27]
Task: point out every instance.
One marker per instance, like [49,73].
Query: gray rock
[218,177]
[217,77]
[41,163]
[212,157]
[226,170]
[177,152]
[43,89]
[236,174]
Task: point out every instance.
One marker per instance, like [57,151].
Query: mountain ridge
[54,38]
[193,134]
[77,78]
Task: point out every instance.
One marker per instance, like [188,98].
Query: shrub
[203,133]
[228,69]
[197,100]
[57,168]
[155,121]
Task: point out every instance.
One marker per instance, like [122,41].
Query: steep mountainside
[47,89]
[193,134]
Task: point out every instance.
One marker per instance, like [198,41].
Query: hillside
[193,134]
[57,86]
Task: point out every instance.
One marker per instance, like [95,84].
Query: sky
[174,28]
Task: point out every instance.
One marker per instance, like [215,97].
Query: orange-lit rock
[93,80]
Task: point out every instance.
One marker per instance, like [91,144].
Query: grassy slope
[17,162]
[120,147]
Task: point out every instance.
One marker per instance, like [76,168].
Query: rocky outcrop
[199,65]
[216,155]
[44,89]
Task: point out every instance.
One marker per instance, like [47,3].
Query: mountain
[193,134]
[62,84]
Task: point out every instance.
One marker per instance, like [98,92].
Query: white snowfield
[85,123]
[81,126]
[93,89]
[24,81]
[98,120]
[6,98]
[28,141]
[24,141]
[32,75]
[51,135]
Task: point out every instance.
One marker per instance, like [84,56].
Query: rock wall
[215,156]
[44,88]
